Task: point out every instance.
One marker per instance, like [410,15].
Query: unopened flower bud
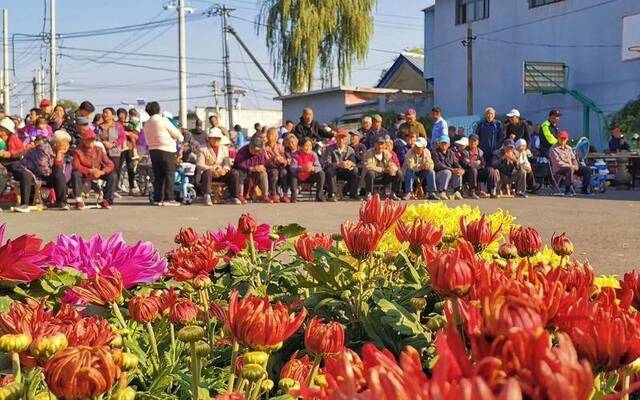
[247,224]
[124,332]
[634,367]
[508,251]
[267,385]
[439,306]
[202,349]
[202,282]
[117,342]
[45,347]
[336,237]
[287,384]
[561,245]
[12,391]
[436,322]
[190,334]
[17,343]
[256,357]
[418,303]
[358,277]
[124,394]
[129,361]
[320,380]
[46,395]
[345,295]
[253,372]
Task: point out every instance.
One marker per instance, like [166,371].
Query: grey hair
[489,109]
[367,119]
[61,135]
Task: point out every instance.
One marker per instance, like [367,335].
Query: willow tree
[303,35]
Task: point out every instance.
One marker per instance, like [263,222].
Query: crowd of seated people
[72,153]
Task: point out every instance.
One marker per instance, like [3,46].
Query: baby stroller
[184,188]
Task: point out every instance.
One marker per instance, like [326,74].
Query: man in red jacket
[91,163]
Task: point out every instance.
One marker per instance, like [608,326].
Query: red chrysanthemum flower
[361,239]
[478,233]
[384,214]
[144,309]
[257,324]
[526,240]
[453,271]
[187,237]
[247,224]
[22,259]
[187,263]
[420,234]
[81,372]
[324,339]
[296,368]
[561,245]
[101,289]
[306,244]
[183,311]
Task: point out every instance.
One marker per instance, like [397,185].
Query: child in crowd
[460,146]
[40,128]
[134,125]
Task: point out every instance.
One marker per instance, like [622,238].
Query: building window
[538,3]
[471,10]
[544,77]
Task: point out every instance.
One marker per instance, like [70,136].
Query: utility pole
[53,90]
[227,71]
[35,89]
[214,89]
[468,43]
[6,89]
[182,64]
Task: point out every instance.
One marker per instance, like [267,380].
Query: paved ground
[605,228]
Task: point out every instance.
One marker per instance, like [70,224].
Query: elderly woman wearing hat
[563,162]
[214,164]
[91,163]
[14,147]
[45,163]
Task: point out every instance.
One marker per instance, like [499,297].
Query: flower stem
[232,367]
[153,343]
[252,250]
[116,312]
[15,363]
[457,319]
[626,381]
[172,332]
[195,372]
[314,370]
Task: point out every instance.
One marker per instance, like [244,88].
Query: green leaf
[289,231]
[401,320]
[5,304]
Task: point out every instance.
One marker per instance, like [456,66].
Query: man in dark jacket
[251,161]
[339,163]
[309,128]
[448,171]
[489,130]
[505,160]
[476,169]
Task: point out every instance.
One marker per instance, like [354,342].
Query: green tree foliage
[303,35]
[68,105]
[628,118]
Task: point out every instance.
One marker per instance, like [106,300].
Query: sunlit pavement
[604,228]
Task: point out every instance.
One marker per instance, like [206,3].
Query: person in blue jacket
[489,130]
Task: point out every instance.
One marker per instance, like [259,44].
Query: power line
[552,45]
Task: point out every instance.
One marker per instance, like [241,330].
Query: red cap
[342,132]
[617,130]
[88,134]
[563,135]
[45,102]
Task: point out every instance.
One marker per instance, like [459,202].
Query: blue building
[535,55]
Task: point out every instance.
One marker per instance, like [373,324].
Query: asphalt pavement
[605,228]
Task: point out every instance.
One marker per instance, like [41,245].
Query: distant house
[535,55]
[407,72]
[345,104]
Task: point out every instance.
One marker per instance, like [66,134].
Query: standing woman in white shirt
[161,137]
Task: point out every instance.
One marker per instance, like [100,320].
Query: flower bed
[427,302]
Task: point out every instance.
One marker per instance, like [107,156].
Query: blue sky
[86,73]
